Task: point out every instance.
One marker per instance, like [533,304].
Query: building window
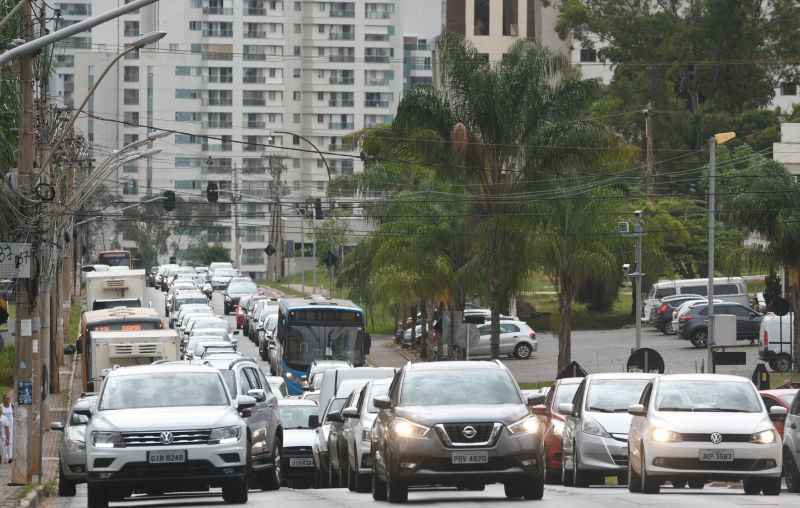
[174,46]
[482,16]
[127,139]
[298,6]
[531,24]
[321,186]
[296,96]
[296,118]
[131,97]
[296,73]
[588,55]
[131,29]
[297,51]
[131,188]
[296,163]
[298,28]
[788,88]
[132,118]
[183,70]
[510,18]
[131,74]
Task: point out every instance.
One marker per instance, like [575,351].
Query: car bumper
[428,461]
[73,466]
[681,460]
[606,454]
[364,457]
[298,464]
[553,452]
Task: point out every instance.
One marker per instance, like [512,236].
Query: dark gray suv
[463,424]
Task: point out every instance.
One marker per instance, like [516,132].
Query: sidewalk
[58,405]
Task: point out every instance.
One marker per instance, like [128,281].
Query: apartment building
[417,61]
[246,85]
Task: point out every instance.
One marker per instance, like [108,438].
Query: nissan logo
[469,432]
[716,437]
[166,437]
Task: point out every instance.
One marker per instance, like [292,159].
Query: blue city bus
[312,329]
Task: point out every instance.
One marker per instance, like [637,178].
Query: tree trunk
[565,325]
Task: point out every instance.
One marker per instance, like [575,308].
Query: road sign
[645,360]
[15,260]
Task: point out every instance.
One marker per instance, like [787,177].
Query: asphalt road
[557,497]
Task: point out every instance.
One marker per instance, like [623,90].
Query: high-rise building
[417,61]
[247,86]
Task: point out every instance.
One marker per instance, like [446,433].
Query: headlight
[764,437]
[664,436]
[528,425]
[591,426]
[224,435]
[366,435]
[405,428]
[227,298]
[558,427]
[106,439]
[289,376]
[75,445]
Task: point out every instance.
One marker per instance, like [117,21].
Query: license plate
[301,462]
[470,458]
[716,455]
[167,457]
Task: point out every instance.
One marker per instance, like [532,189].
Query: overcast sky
[421,17]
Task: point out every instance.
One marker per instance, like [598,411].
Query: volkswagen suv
[462,424]
[166,428]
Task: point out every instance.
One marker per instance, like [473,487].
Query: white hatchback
[701,427]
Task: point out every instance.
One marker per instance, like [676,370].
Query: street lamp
[717,139]
[319,152]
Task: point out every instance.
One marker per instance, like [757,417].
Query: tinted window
[614,395]
[252,377]
[452,387]
[696,290]
[738,310]
[509,328]
[726,289]
[662,292]
[707,396]
[164,390]
[244,381]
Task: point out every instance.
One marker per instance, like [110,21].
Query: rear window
[662,292]
[695,290]
[726,289]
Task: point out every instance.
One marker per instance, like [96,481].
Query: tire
[378,487]
[273,476]
[634,480]
[523,351]
[235,492]
[700,338]
[512,491]
[678,484]
[771,486]
[66,488]
[96,497]
[579,478]
[567,479]
[396,491]
[782,362]
[534,490]
[360,482]
[752,486]
[697,484]
[790,472]
[649,486]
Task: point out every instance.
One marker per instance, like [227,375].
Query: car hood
[298,437]
[430,415]
[172,418]
[706,423]
[614,423]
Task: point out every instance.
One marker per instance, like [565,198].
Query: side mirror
[86,412]
[335,417]
[313,421]
[258,394]
[777,413]
[382,402]
[59,426]
[566,408]
[245,402]
[539,410]
[350,412]
[637,410]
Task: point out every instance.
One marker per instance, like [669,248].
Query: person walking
[7,422]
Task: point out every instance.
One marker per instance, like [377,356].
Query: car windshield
[296,417]
[242,287]
[378,390]
[173,389]
[222,272]
[306,343]
[614,395]
[335,406]
[210,323]
[707,396]
[449,387]
[230,381]
[565,393]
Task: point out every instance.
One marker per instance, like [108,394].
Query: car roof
[704,377]
[169,367]
[121,313]
[462,365]
[621,375]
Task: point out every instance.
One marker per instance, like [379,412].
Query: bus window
[114,258]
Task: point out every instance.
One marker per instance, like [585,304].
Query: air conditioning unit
[623,227]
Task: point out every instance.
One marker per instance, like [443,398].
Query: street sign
[15,260]
[730,358]
[645,360]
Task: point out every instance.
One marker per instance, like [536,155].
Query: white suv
[166,428]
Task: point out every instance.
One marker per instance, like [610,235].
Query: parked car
[594,441]
[235,290]
[791,448]
[278,386]
[517,339]
[320,446]
[703,427]
[72,452]
[694,323]
[461,424]
[299,418]
[782,398]
[662,314]
[562,392]
[732,289]
[777,337]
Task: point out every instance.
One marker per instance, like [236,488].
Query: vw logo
[716,437]
[166,437]
[469,432]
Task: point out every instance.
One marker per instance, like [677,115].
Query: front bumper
[681,461]
[364,458]
[73,464]
[606,454]
[304,466]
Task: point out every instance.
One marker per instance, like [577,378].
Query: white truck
[115,288]
[108,350]
[777,336]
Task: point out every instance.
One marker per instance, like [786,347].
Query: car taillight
[663,308]
[532,334]
[685,317]
[766,339]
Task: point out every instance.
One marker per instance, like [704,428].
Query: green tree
[202,253]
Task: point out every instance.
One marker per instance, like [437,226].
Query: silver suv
[72,453]
[166,428]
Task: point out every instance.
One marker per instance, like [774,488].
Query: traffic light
[212,193]
[169,200]
[318,209]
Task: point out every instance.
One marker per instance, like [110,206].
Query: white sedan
[703,427]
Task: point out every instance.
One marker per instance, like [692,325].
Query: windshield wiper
[722,410]
[687,409]
[600,409]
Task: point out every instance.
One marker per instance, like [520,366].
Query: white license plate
[470,458]
[716,456]
[167,457]
[301,462]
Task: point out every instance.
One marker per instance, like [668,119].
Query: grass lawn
[283,288]
[776,379]
[74,324]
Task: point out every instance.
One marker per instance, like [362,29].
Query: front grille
[620,460]
[706,438]
[103,462]
[142,470]
[445,465]
[735,465]
[455,431]
[297,451]
[179,437]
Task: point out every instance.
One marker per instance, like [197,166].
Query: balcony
[253,57]
[250,147]
[217,33]
[217,124]
[336,80]
[224,147]
[379,14]
[377,104]
[342,58]
[340,104]
[219,11]
[255,125]
[255,11]
[217,56]
[253,34]
[217,102]
[341,36]
[260,168]
[217,79]
[340,147]
[253,80]
[376,59]
[377,82]
[343,13]
[341,126]
[254,102]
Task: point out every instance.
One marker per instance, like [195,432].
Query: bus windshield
[308,342]
[120,258]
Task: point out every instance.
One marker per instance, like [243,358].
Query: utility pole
[237,248]
[650,164]
[275,262]
[638,232]
[26,325]
[303,248]
[712,189]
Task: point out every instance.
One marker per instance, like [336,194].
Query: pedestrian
[7,422]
